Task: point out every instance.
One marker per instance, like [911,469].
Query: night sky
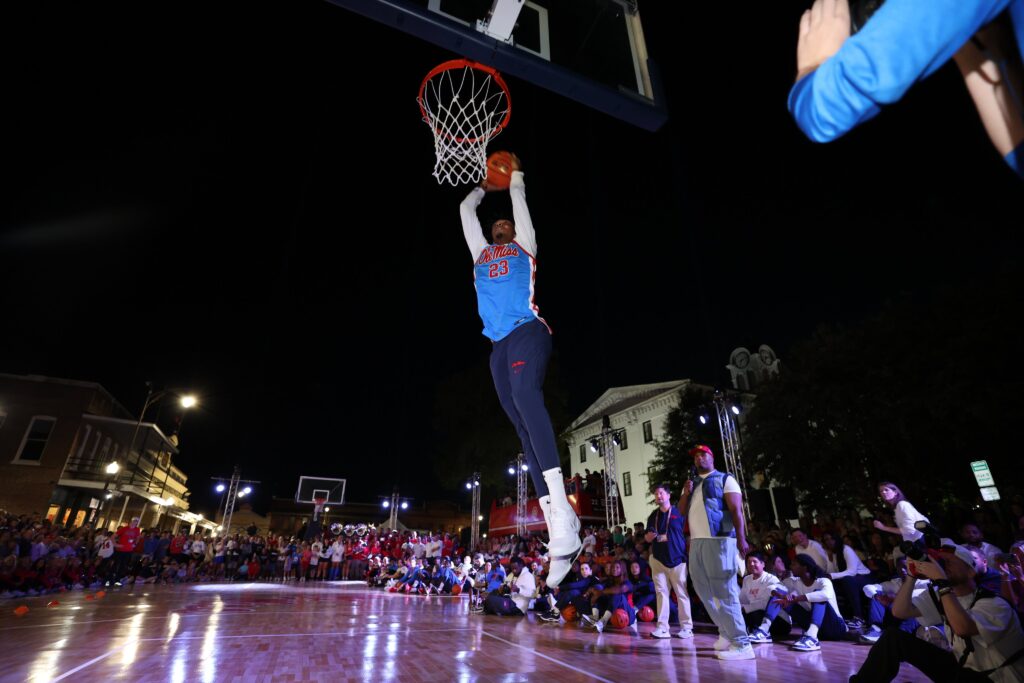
[237,198]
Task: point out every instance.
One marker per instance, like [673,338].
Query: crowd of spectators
[835,576]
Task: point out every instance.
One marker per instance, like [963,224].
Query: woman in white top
[848,574]
[906,514]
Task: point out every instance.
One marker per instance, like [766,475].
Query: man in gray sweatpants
[714,506]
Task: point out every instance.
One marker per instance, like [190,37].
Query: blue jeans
[830,625]
[713,574]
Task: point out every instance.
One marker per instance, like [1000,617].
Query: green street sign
[982,474]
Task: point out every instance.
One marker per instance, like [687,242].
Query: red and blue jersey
[504,274]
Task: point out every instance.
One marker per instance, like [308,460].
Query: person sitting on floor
[810,601]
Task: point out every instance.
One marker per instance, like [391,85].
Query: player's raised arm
[471,223]
[525,234]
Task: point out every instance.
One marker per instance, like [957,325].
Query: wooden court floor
[346,632]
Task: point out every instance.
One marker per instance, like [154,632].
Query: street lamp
[111,469]
[185,400]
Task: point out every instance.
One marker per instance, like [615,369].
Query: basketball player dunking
[504,275]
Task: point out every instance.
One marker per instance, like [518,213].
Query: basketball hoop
[318,507]
[465,104]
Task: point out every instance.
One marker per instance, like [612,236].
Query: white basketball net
[465,107]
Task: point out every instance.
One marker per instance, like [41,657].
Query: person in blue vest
[713,505]
[504,273]
[668,562]
[844,80]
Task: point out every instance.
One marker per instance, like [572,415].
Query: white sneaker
[684,633]
[559,567]
[661,632]
[564,532]
[722,643]
[737,652]
[563,524]
[599,626]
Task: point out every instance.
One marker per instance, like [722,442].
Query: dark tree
[911,395]
[683,430]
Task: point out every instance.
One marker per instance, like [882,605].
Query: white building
[641,411]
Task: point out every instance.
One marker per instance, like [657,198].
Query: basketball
[499,170]
[569,613]
[619,619]
[645,613]
[456,589]
[20,611]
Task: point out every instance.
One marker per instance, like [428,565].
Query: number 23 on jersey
[498,268]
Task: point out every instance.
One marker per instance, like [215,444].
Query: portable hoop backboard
[593,52]
[331,490]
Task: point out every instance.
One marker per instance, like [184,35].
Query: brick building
[57,438]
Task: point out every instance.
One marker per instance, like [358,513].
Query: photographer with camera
[982,629]
[844,80]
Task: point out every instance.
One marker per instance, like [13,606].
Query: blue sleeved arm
[1015,160]
[904,42]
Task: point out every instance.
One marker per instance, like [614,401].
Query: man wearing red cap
[713,504]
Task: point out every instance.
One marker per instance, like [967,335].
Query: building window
[648,432]
[35,439]
[623,440]
[583,453]
[627,485]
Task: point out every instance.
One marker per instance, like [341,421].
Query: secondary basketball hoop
[466,104]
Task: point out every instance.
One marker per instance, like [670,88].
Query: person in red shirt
[446,550]
[125,540]
[177,548]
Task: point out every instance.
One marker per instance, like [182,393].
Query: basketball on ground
[499,170]
[645,613]
[569,613]
[456,589]
[619,619]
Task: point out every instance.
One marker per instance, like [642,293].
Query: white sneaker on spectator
[871,635]
[722,643]
[599,625]
[661,632]
[684,633]
[737,652]
[806,644]
[587,621]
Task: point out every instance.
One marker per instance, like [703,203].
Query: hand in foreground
[823,30]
